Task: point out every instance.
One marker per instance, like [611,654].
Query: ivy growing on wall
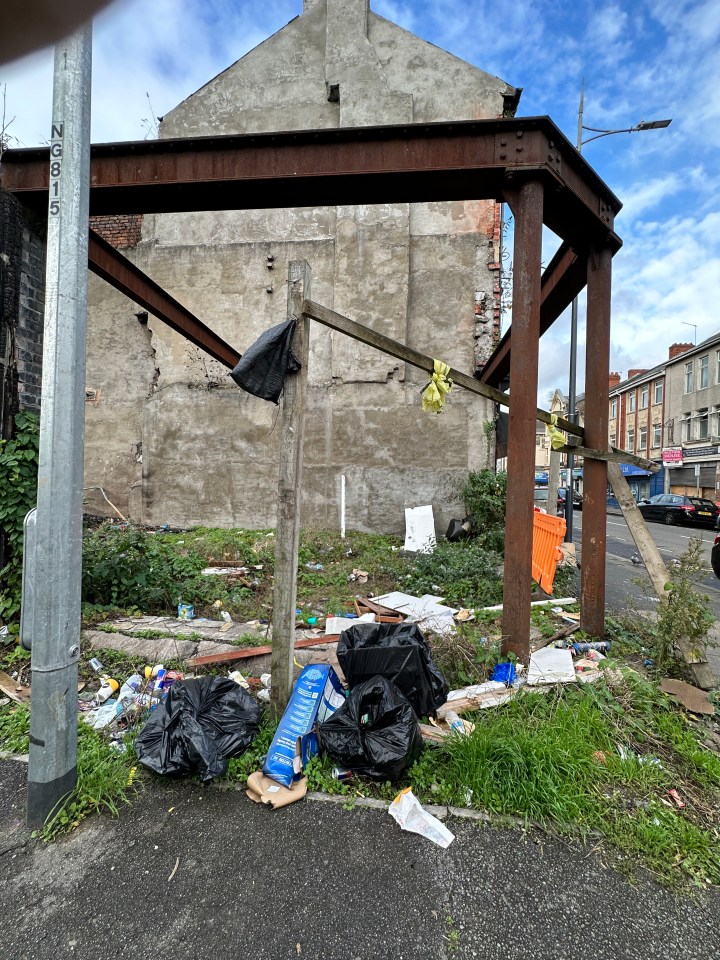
[18,488]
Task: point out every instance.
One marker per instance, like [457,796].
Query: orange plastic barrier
[548,534]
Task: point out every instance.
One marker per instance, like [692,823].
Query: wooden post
[287,533]
[701,671]
[597,366]
[527,206]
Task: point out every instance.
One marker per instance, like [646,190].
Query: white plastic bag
[407,811]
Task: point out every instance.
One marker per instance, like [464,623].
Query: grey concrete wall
[419,273]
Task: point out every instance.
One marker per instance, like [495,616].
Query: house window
[631,440]
[644,397]
[715,421]
[657,435]
[612,439]
[702,432]
[643,438]
[686,427]
[659,386]
[631,402]
[704,372]
[613,406]
[688,377]
[717,366]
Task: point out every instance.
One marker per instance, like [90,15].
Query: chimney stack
[677,348]
[636,373]
[614,380]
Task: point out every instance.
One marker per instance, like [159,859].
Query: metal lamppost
[572,406]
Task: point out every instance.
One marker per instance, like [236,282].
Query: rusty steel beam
[105,261]
[563,280]
[413,163]
[527,207]
[597,366]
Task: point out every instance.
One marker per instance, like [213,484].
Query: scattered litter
[463,616]
[563,602]
[479,696]
[335,625]
[420,529]
[316,696]
[174,869]
[263,789]
[186,611]
[675,797]
[504,673]
[600,646]
[239,679]
[264,693]
[409,814]
[314,566]
[428,611]
[550,665]
[458,530]
[198,727]
[359,576]
[11,688]
[692,699]
[4,632]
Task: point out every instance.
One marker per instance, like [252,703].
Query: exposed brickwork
[22,255]
[636,372]
[122,231]
[614,379]
[675,349]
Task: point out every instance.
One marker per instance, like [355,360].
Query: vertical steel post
[527,206]
[52,770]
[597,368]
[572,385]
[287,533]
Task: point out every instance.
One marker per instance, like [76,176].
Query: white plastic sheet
[407,811]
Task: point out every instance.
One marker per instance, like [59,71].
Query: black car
[674,508]
[715,557]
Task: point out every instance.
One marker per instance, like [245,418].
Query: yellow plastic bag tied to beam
[434,394]
[557,437]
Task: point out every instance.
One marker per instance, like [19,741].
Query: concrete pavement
[320,881]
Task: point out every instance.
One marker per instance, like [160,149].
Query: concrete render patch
[340,884]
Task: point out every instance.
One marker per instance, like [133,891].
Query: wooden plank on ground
[699,668]
[11,688]
[244,653]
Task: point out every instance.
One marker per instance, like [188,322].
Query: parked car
[715,557]
[673,508]
[577,499]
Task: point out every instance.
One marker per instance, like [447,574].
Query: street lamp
[572,408]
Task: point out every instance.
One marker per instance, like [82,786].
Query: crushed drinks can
[342,774]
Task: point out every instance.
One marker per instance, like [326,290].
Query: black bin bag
[198,727]
[264,365]
[375,732]
[399,652]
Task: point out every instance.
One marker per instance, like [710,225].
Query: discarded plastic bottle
[602,646]
[96,665]
[454,722]
[342,774]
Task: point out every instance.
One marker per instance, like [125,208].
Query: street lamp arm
[638,128]
[607,133]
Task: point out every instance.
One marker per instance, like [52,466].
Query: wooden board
[243,653]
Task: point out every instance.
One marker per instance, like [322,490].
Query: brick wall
[29,331]
[121,232]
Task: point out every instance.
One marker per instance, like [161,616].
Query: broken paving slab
[157,650]
[207,629]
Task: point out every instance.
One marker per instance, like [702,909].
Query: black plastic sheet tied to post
[265,364]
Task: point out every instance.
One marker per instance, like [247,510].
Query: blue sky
[641,60]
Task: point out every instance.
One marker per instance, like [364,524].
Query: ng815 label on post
[56,152]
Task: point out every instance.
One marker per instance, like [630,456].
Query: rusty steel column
[526,203]
[597,366]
